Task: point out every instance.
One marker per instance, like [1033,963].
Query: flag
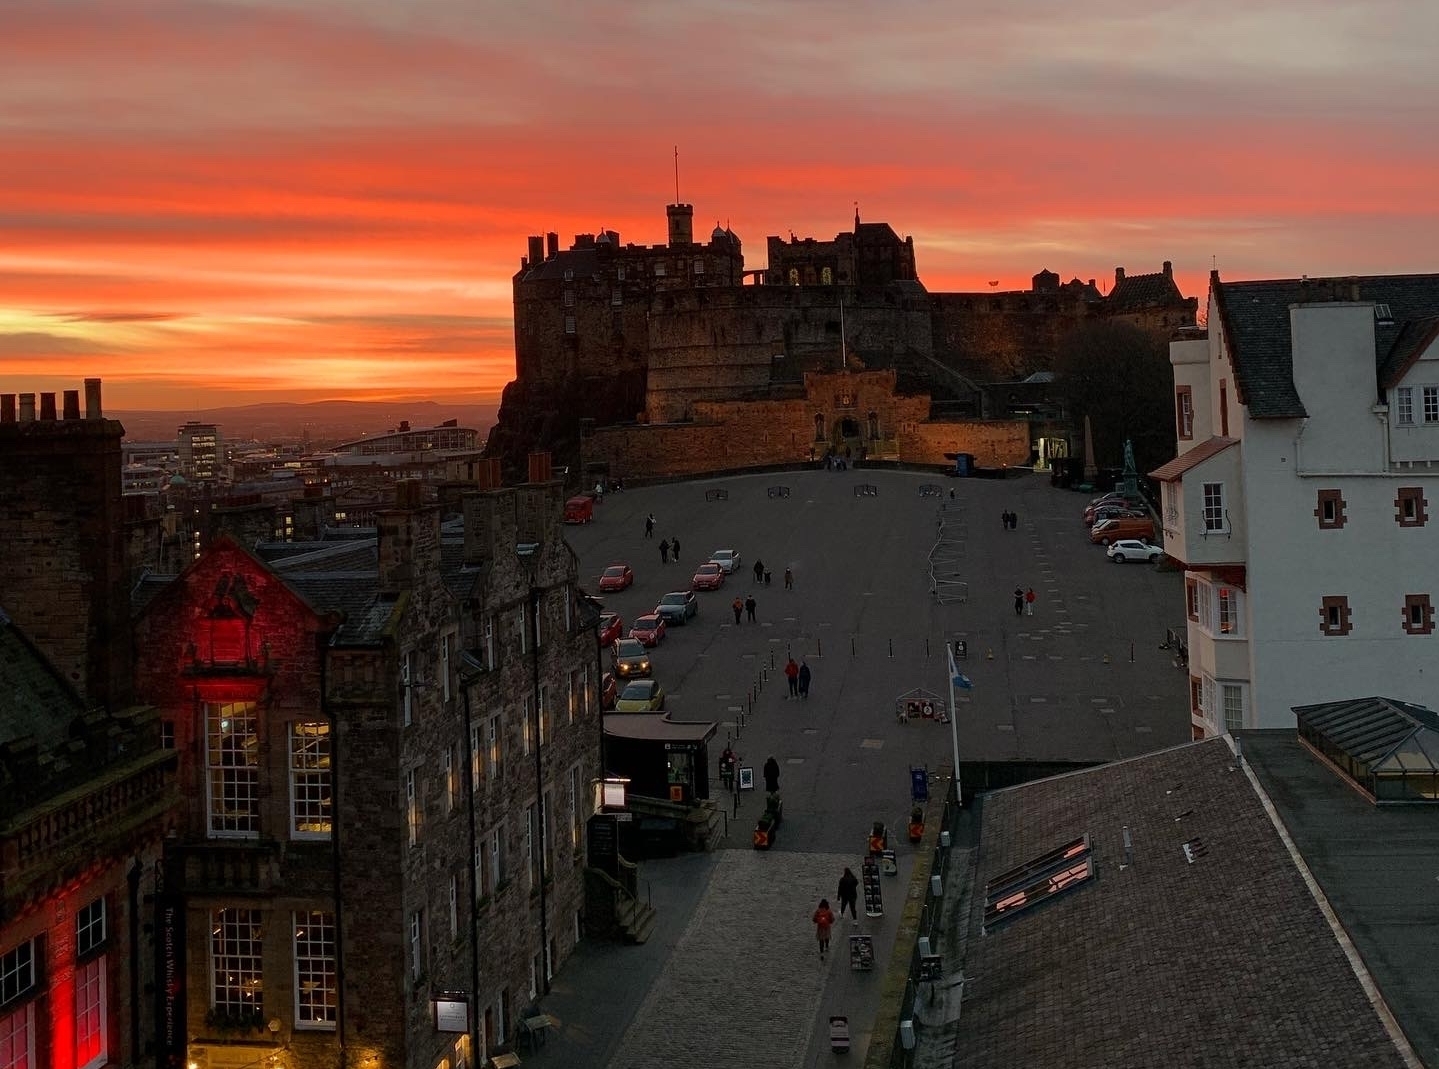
[962,681]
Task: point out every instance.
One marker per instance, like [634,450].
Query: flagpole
[954,722]
[843,356]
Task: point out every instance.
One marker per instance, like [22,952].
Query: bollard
[926,647]
[818,648]
[1131,653]
[851,645]
[1106,658]
[989,654]
[891,649]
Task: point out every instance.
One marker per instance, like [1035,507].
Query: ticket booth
[662,758]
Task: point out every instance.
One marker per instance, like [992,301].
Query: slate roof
[1134,293]
[583,262]
[1226,961]
[1197,455]
[1414,337]
[1255,320]
[1375,865]
[35,700]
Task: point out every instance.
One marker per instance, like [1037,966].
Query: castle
[663,359]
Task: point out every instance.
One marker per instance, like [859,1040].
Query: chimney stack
[47,407]
[1118,275]
[485,525]
[552,245]
[1168,269]
[27,408]
[537,249]
[7,408]
[408,541]
[72,404]
[92,399]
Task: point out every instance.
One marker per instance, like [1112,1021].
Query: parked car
[612,626]
[649,629]
[1092,511]
[1107,531]
[727,559]
[641,696]
[1111,512]
[616,577]
[1132,549]
[609,691]
[678,606]
[631,658]
[709,576]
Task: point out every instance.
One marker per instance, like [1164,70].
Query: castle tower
[63,574]
[682,224]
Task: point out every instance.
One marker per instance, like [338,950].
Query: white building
[1299,504]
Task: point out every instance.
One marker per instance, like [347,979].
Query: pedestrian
[675,549]
[1029,596]
[849,894]
[650,525]
[823,922]
[791,673]
[788,579]
[1018,601]
[758,571]
[771,775]
[749,607]
[1014,521]
[804,678]
[951,493]
[738,608]
[664,550]
[1004,519]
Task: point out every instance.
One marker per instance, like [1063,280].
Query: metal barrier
[866,490]
[779,491]
[946,557]
[716,495]
[931,490]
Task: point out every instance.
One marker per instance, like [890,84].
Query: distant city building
[1301,501]
[201,452]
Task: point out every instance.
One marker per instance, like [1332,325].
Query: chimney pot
[47,407]
[92,400]
[72,404]
[27,408]
[7,408]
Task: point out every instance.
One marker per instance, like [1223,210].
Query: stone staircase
[635,919]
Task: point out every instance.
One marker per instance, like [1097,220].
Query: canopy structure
[1387,748]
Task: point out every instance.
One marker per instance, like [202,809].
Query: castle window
[1184,412]
[569,298]
[659,269]
[1334,616]
[1418,615]
[826,277]
[310,781]
[617,297]
[569,324]
[317,986]
[620,273]
[236,968]
[874,426]
[1330,510]
[794,276]
[1409,507]
[1404,403]
[699,266]
[819,426]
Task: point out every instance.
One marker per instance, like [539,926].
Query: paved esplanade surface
[732,973]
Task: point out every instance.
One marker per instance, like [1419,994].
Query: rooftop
[1204,947]
[1375,864]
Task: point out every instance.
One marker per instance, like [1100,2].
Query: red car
[611,628]
[616,577]
[708,577]
[609,691]
[649,629]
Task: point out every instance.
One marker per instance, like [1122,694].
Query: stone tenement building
[388,746]
[86,785]
[634,337]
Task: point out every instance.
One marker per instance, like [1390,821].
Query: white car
[1133,549]
[727,559]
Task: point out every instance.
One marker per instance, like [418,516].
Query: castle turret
[682,223]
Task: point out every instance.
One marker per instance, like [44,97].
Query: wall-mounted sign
[452,1012]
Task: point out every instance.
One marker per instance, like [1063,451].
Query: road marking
[723,697]
[871,744]
[734,708]
[1003,727]
[1143,729]
[1037,701]
[1056,656]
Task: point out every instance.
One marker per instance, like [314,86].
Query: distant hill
[322,422]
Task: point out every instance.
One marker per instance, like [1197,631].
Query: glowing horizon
[243,200]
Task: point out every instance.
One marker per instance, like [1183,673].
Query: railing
[947,555]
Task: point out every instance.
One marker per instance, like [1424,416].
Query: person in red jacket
[791,673]
[823,922]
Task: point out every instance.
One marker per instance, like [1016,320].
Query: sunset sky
[210,203]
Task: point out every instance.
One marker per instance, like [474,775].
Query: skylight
[1037,880]
[1382,314]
